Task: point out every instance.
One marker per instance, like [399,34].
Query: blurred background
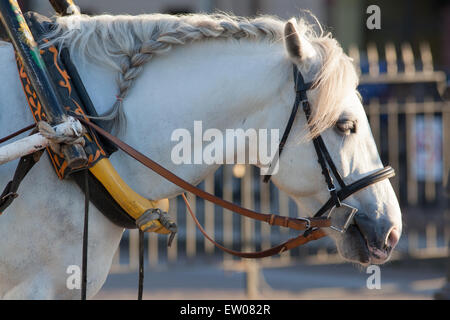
[404,68]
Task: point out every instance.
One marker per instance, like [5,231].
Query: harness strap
[358,185]
[330,162]
[287,130]
[323,157]
[141,265]
[300,95]
[319,147]
[23,167]
[12,135]
[10,192]
[292,223]
[285,246]
[85,237]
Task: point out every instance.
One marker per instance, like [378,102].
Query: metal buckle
[8,195]
[304,100]
[308,222]
[332,189]
[164,219]
[344,212]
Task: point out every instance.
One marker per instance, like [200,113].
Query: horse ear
[298,48]
[292,40]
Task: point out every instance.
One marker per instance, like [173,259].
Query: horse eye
[346,126]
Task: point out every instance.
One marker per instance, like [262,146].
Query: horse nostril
[393,238]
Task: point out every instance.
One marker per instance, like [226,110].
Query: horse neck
[204,80]
[224,84]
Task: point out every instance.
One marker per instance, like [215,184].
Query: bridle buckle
[344,212]
[307,221]
[332,189]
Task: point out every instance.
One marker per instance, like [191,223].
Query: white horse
[228,72]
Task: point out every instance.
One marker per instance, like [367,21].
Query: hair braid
[131,50]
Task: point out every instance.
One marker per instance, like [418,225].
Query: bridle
[326,162]
[312,226]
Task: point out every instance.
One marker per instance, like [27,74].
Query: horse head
[338,117]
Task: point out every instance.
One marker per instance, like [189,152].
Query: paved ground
[413,280]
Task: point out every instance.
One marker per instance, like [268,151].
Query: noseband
[326,162]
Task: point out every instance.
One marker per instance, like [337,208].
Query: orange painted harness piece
[99,165]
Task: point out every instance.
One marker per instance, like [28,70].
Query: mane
[126,43]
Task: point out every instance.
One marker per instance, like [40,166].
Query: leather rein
[312,225]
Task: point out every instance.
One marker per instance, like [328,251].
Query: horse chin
[352,246]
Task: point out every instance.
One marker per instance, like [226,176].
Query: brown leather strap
[285,246]
[273,219]
[12,135]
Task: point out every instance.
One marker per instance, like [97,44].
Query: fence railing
[412,134]
[409,68]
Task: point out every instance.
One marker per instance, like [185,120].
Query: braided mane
[126,43]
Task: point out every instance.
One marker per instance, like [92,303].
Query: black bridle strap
[141,265]
[323,155]
[320,150]
[358,185]
[85,239]
[300,88]
[287,130]
[330,162]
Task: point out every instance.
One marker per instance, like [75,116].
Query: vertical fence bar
[431,236]
[172,252]
[191,238]
[209,214]
[446,139]
[426,57]
[430,186]
[374,119]
[153,251]
[408,59]
[446,234]
[410,115]
[413,241]
[133,236]
[372,56]
[391,59]
[393,145]
[353,52]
